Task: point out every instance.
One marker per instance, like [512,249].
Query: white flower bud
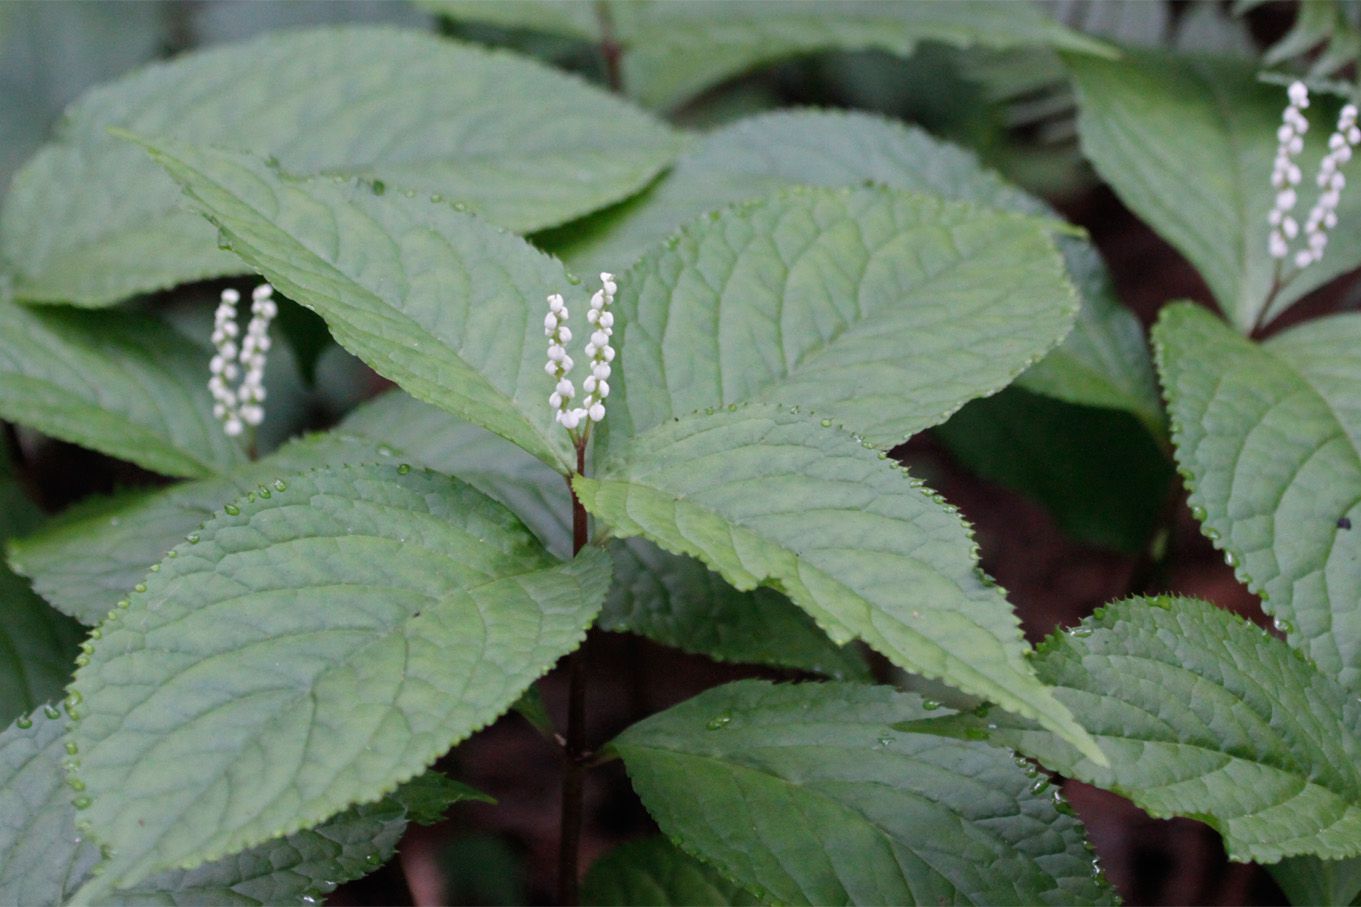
[597,412]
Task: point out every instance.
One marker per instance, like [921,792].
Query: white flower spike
[1285,176]
[598,349]
[243,405]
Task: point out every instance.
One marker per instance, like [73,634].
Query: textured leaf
[678,602]
[438,300]
[1309,880]
[125,385]
[654,872]
[37,649]
[44,859]
[1204,715]
[91,221]
[86,560]
[673,51]
[313,650]
[1269,438]
[1188,144]
[1104,479]
[432,438]
[667,598]
[807,795]
[884,310]
[766,497]
[1104,361]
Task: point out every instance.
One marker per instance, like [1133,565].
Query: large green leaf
[1100,475]
[884,310]
[667,598]
[1269,438]
[90,557]
[808,795]
[1103,362]
[1187,143]
[1204,715]
[766,497]
[679,602]
[434,439]
[672,51]
[436,299]
[125,385]
[91,221]
[312,650]
[654,872]
[37,649]
[1309,880]
[44,859]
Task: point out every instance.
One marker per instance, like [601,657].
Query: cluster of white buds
[1285,173]
[238,405]
[1285,176]
[598,351]
[1331,182]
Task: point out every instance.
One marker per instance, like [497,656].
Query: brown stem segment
[573,782]
[610,49]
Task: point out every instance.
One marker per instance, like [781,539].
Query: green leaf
[37,649]
[446,305]
[226,707]
[653,872]
[1269,438]
[18,513]
[1309,880]
[428,796]
[1104,361]
[1188,143]
[680,603]
[87,559]
[669,599]
[1204,715]
[44,859]
[766,497]
[432,438]
[808,795]
[125,385]
[90,221]
[833,299]
[1104,479]
[673,51]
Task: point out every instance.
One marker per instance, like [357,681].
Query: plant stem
[610,49]
[574,778]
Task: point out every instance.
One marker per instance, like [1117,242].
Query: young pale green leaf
[1309,880]
[436,299]
[808,795]
[44,859]
[87,559]
[1204,715]
[38,649]
[653,872]
[667,598]
[1187,143]
[1103,362]
[90,221]
[1102,477]
[125,385]
[884,310]
[767,497]
[1269,438]
[679,602]
[673,51]
[313,649]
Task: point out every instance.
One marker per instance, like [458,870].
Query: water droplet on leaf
[719,721]
[232,510]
